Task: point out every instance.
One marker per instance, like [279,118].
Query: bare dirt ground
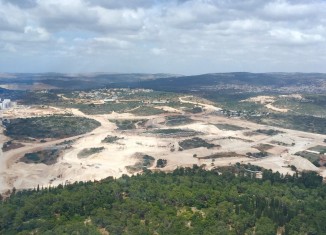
[268,102]
[207,107]
[270,106]
[261,99]
[112,161]
[33,111]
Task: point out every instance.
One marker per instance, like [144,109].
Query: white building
[6,103]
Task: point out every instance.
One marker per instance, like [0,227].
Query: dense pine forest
[186,201]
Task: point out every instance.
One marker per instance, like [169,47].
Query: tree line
[185,201]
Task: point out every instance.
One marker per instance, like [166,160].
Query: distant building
[6,104]
[160,101]
[112,99]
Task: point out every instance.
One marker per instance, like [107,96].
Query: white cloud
[111,43]
[295,37]
[119,20]
[36,34]
[158,51]
[179,36]
[11,18]
[9,47]
[284,10]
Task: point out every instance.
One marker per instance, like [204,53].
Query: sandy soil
[270,106]
[116,156]
[3,167]
[169,109]
[294,96]
[268,102]
[260,99]
[33,111]
[207,107]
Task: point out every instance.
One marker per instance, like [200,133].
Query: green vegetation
[67,142]
[178,105]
[229,127]
[221,155]
[128,124]
[47,156]
[93,109]
[280,143]
[263,147]
[296,122]
[173,132]
[237,138]
[269,132]
[143,162]
[161,163]
[178,120]
[311,105]
[111,139]
[196,109]
[39,98]
[319,148]
[89,151]
[9,145]
[195,142]
[230,100]
[312,157]
[153,95]
[186,201]
[49,127]
[260,154]
[147,111]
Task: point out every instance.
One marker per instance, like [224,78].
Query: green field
[178,120]
[312,157]
[173,132]
[296,122]
[229,127]
[56,126]
[195,142]
[48,157]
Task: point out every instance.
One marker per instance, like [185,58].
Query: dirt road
[208,107]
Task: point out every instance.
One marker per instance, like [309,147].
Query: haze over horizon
[180,36]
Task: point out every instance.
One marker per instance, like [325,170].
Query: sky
[162,36]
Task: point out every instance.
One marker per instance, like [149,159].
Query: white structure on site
[6,104]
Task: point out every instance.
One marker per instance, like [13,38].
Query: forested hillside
[187,201]
[235,81]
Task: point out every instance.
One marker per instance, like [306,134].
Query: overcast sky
[180,36]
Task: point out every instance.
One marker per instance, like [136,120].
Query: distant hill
[78,81]
[240,80]
[2,90]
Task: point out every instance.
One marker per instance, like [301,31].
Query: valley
[123,136]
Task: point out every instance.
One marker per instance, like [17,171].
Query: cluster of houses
[6,104]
